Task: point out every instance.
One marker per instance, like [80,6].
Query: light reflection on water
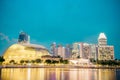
[58,74]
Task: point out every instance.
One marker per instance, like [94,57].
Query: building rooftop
[102,36]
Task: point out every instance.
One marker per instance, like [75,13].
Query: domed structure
[18,52]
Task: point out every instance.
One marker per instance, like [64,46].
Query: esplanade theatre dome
[18,52]
[23,50]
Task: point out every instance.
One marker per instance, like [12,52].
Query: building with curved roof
[24,50]
[18,52]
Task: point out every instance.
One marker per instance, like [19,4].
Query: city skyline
[24,39]
[63,22]
[24,50]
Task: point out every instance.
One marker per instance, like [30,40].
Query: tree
[2,59]
[22,61]
[54,62]
[12,61]
[38,60]
[65,61]
[61,60]
[27,61]
[58,56]
[48,61]
[32,61]
[78,57]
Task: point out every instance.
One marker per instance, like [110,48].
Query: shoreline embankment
[60,66]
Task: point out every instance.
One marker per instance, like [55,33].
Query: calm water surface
[58,74]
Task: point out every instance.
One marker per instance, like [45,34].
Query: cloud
[6,38]
[14,40]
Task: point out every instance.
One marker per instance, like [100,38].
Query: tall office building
[102,40]
[54,49]
[68,51]
[77,51]
[105,52]
[23,38]
[61,51]
[86,51]
[93,51]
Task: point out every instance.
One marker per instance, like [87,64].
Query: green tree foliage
[32,61]
[48,61]
[2,59]
[54,62]
[109,62]
[38,60]
[22,61]
[78,57]
[61,60]
[12,61]
[27,61]
[65,61]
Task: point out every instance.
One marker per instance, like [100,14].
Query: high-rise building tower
[54,49]
[93,51]
[61,51]
[68,51]
[105,52]
[77,51]
[102,39]
[23,38]
[86,51]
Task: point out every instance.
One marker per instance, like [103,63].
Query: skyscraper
[86,51]
[23,38]
[102,40]
[61,51]
[105,52]
[54,49]
[93,51]
[77,51]
[68,51]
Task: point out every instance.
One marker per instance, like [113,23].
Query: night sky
[60,21]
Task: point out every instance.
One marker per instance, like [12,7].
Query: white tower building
[105,52]
[102,39]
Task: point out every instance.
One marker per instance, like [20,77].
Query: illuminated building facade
[102,40]
[102,51]
[23,38]
[93,51]
[24,51]
[81,50]
[68,51]
[86,51]
[105,52]
[18,52]
[75,51]
[53,49]
[61,51]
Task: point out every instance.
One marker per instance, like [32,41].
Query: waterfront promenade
[60,66]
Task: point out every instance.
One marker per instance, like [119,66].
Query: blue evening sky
[60,21]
